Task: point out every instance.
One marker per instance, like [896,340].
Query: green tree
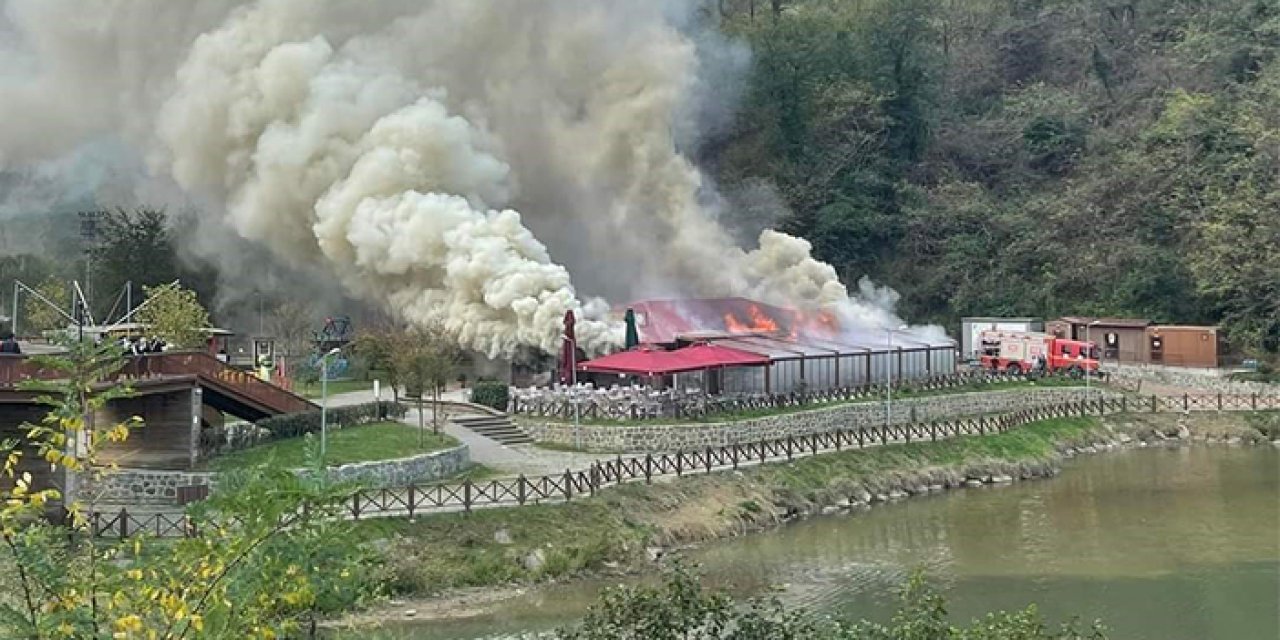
[681,609]
[45,308]
[175,315]
[287,559]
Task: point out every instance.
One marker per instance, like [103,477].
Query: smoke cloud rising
[455,162]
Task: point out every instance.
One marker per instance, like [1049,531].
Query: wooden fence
[420,500]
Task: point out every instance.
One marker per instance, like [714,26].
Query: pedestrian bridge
[181,397]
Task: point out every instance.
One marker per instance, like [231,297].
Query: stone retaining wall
[641,437]
[158,487]
[1205,379]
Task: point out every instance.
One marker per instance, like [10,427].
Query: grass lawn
[377,441]
[335,386]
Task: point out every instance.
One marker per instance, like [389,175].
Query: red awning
[647,361]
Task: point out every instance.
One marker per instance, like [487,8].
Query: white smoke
[391,144]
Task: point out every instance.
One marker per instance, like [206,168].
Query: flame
[818,324]
[757,322]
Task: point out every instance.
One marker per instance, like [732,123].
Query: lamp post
[573,360]
[888,388]
[1088,345]
[324,400]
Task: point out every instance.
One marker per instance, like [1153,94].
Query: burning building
[810,351]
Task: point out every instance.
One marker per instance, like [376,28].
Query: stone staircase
[497,428]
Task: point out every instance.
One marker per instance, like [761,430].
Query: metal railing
[702,406]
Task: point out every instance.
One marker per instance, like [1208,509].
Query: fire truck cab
[1019,352]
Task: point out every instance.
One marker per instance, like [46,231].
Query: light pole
[324,400]
[1088,345]
[573,361]
[888,388]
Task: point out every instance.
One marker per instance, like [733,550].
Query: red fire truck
[1022,352]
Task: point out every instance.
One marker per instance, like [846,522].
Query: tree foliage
[41,309]
[681,609]
[268,575]
[1028,158]
[175,315]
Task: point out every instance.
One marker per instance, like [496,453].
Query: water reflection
[1159,543]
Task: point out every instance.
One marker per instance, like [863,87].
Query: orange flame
[757,322]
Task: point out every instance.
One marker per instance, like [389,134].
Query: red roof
[648,361]
[662,321]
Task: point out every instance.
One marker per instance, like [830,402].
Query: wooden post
[1219,401]
[521,495]
[412,489]
[648,468]
[1186,402]
[355,506]
[124,523]
[679,463]
[1255,402]
[1153,403]
[708,459]
[568,485]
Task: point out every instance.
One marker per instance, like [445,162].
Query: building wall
[1186,346]
[167,439]
[1131,341]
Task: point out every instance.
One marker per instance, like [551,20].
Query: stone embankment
[1126,431]
[156,488]
[1140,377]
[653,438]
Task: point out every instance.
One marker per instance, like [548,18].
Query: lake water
[1163,544]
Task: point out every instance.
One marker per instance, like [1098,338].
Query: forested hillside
[1039,157]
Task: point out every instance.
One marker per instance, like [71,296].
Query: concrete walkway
[507,460]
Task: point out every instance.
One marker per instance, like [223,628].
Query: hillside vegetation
[1037,157]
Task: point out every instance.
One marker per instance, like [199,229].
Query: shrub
[491,393]
[292,425]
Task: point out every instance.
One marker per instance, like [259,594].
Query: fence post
[124,523]
[790,443]
[1153,403]
[708,459]
[679,463]
[355,506]
[412,497]
[594,478]
[1186,402]
[1219,401]
[813,440]
[648,468]
[933,431]
[733,455]
[568,485]
[1255,402]
[1124,404]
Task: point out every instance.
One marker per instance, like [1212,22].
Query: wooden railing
[208,369]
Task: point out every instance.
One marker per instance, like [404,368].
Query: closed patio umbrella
[633,336]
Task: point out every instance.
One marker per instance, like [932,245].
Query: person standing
[9,344]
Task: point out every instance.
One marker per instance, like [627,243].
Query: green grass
[335,387]
[734,416]
[378,441]
[449,551]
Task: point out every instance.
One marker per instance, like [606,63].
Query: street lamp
[1088,345]
[573,360]
[324,399]
[888,374]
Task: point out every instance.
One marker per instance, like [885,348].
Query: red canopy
[647,361]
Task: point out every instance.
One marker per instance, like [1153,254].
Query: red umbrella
[568,351]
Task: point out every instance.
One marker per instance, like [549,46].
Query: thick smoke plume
[453,161]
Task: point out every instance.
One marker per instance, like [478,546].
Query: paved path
[506,460]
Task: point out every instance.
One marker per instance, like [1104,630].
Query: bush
[491,393]
[292,425]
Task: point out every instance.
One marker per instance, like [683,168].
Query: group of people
[142,345]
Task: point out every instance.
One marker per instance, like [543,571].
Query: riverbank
[446,558]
